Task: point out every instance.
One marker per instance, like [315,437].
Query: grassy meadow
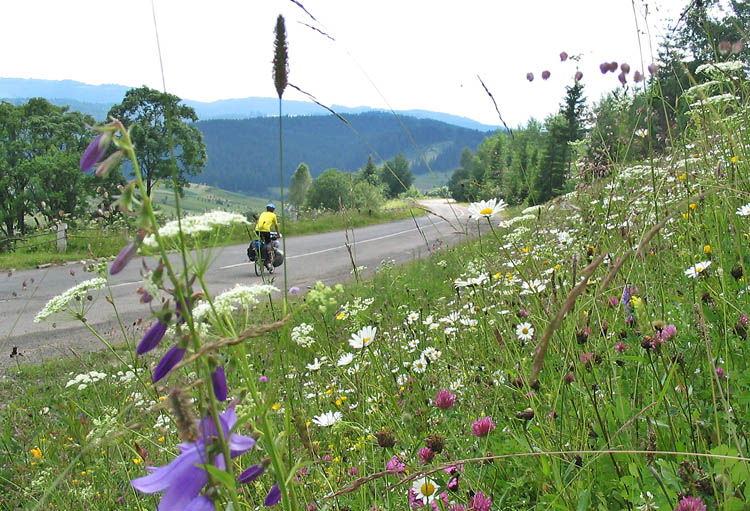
[588,353]
[634,286]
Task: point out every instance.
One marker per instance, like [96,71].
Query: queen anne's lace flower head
[60,302]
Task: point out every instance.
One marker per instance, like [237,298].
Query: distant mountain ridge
[96,100]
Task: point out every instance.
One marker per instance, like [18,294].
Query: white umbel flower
[363,338]
[327,419]
[79,292]
[192,225]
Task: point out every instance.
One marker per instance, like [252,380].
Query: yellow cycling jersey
[266,220]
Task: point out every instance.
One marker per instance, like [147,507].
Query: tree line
[647,112]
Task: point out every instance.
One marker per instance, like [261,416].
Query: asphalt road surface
[310,258]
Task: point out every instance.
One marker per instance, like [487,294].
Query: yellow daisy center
[525,331]
[366,340]
[427,489]
[699,268]
[486,211]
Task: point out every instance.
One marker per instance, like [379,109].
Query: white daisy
[525,331]
[697,269]
[327,419]
[425,489]
[532,286]
[412,317]
[419,365]
[315,366]
[363,338]
[744,210]
[345,359]
[487,208]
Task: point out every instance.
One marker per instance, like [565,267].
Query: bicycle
[266,256]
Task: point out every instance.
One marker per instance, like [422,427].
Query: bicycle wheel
[258,267]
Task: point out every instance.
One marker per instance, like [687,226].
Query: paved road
[309,259]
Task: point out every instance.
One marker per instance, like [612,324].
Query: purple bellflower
[219,381]
[95,151]
[152,338]
[170,359]
[273,497]
[183,478]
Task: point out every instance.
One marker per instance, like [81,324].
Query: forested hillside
[243,154]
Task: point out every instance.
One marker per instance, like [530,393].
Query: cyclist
[266,220]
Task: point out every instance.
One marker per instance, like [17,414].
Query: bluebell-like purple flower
[183,478]
[152,338]
[123,258]
[95,151]
[170,359]
[219,381]
[251,474]
[273,497]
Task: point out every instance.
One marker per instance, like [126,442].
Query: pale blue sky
[407,53]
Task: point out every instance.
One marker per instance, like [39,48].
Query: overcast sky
[401,54]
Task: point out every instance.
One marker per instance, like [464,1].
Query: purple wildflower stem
[170,359]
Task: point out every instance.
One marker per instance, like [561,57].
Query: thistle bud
[625,67]
[578,76]
[563,56]
[385,439]
[530,77]
[545,75]
[637,77]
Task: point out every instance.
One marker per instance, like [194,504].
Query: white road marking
[126,284]
[341,246]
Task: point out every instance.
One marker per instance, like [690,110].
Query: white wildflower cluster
[60,302]
[163,423]
[521,218]
[224,304]
[720,69]
[129,376]
[479,280]
[531,210]
[104,425]
[84,379]
[715,100]
[354,307]
[301,335]
[744,210]
[192,225]
[703,89]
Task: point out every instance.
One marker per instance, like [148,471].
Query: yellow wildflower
[734,159]
[692,206]
[275,406]
[36,452]
[682,177]
[707,249]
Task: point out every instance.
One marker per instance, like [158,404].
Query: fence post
[62,236]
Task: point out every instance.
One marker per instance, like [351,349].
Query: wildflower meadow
[589,352]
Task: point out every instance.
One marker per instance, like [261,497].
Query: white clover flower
[697,269]
[60,302]
[486,209]
[525,331]
[363,337]
[327,419]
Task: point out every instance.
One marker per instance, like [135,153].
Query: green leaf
[583,500]
[219,475]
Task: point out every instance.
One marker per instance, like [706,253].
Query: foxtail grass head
[280,57]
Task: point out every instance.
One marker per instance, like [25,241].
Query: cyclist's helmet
[270,206]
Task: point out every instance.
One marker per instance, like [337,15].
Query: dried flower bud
[653,68]
[604,67]
[563,56]
[435,442]
[385,439]
[625,67]
[545,75]
[637,77]
[578,76]
[622,78]
[725,47]
[530,77]
[526,414]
